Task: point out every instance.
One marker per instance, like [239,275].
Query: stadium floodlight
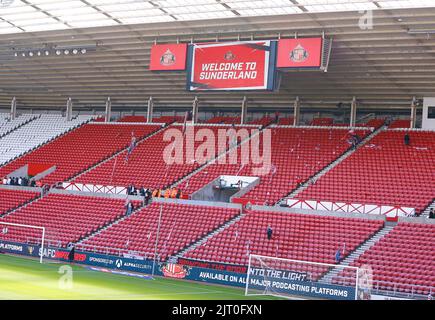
[30,54]
[290,279]
[66,52]
[83,51]
[58,52]
[10,228]
[75,51]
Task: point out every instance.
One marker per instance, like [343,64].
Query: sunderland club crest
[229,56]
[167,59]
[173,270]
[299,54]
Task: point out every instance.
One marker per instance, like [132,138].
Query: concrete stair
[327,278]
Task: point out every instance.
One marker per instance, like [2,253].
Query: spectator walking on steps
[129,208]
[432,213]
[406,139]
[71,253]
[269,232]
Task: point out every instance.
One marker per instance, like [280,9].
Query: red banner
[231,66]
[168,57]
[299,53]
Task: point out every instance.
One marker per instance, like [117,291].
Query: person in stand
[432,213]
[407,139]
[269,232]
[71,254]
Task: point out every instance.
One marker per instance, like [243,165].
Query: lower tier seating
[295,236]
[67,218]
[180,226]
[296,155]
[403,261]
[11,199]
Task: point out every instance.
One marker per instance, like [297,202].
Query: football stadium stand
[35,134]
[296,155]
[146,166]
[384,171]
[180,226]
[400,124]
[7,125]
[81,149]
[11,199]
[295,236]
[402,261]
[67,218]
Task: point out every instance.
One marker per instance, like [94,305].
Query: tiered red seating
[403,261]
[81,149]
[146,165]
[181,225]
[295,236]
[400,124]
[140,119]
[322,122]
[11,199]
[264,121]
[67,218]
[383,172]
[297,154]
[224,120]
[375,123]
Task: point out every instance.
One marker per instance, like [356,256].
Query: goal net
[294,279]
[22,239]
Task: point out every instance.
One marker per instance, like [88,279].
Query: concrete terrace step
[327,278]
[333,164]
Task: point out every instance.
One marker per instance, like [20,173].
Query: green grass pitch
[22,278]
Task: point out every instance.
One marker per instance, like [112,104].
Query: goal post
[289,278]
[13,232]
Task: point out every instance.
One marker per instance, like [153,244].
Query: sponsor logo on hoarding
[11,247]
[167,59]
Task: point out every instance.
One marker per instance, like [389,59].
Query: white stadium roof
[17,16]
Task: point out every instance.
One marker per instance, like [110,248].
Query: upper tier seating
[141,119]
[322,122]
[11,199]
[375,123]
[180,226]
[146,165]
[67,218]
[383,172]
[7,125]
[36,133]
[295,236]
[400,124]
[81,149]
[403,261]
[296,155]
[224,120]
